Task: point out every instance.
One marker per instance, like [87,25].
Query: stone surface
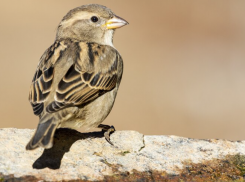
[88,157]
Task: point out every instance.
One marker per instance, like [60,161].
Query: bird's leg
[107,131]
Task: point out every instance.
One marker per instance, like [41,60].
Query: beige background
[184,64]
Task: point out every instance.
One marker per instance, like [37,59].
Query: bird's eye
[94,19]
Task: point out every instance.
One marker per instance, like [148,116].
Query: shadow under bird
[77,78]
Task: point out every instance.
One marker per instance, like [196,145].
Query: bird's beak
[116,22]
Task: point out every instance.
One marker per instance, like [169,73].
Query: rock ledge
[88,157]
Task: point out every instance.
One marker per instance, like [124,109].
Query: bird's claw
[107,132]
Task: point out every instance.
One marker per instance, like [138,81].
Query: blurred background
[184,64]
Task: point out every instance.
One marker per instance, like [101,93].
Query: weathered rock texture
[88,157]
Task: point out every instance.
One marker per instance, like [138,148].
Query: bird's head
[91,23]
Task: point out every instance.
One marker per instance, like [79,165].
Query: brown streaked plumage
[77,78]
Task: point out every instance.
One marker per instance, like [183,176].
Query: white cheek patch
[108,38]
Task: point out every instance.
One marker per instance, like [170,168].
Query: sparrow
[77,78]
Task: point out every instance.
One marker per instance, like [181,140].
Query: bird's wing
[94,72]
[43,77]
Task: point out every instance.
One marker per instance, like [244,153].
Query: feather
[95,77]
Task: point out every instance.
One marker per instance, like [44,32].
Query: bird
[78,76]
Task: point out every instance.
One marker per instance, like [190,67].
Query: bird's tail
[44,135]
